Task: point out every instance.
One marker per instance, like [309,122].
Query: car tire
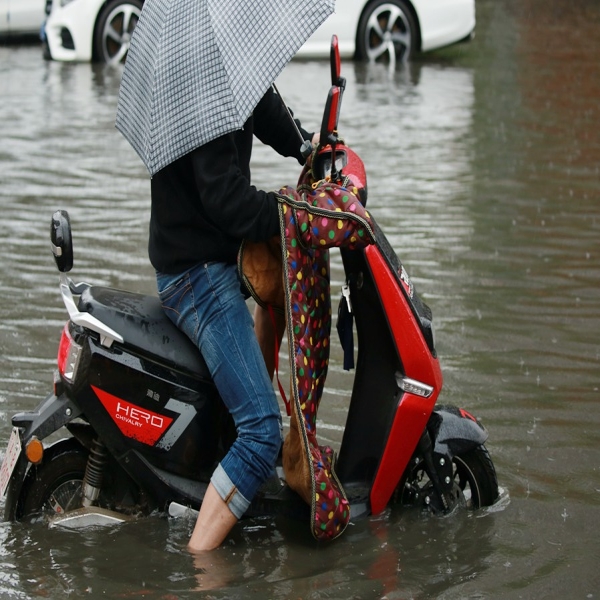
[387,31]
[114,27]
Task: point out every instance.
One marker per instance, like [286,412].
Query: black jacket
[203,204]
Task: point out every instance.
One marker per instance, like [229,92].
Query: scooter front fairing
[398,377]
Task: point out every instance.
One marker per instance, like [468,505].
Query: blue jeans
[206,303]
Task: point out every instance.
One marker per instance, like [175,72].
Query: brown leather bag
[295,460]
[261,269]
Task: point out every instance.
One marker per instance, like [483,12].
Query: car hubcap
[388,34]
[116,36]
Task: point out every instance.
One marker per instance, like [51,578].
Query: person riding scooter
[203,206]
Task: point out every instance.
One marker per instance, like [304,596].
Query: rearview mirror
[330,117]
[62,243]
[336,64]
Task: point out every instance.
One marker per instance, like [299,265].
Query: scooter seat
[145,327]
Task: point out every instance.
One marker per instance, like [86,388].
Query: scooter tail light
[68,355]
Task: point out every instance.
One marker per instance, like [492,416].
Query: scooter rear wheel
[54,486]
[475,482]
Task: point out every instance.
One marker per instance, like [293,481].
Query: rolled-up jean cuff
[229,493]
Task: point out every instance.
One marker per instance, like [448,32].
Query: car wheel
[114,27]
[386,32]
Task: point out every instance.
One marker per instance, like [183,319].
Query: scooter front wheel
[475,482]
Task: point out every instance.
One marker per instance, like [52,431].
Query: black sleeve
[234,206]
[273,126]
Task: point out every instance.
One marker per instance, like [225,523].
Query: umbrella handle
[306,147]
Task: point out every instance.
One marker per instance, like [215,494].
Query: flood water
[484,171]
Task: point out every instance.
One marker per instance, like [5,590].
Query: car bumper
[69,30]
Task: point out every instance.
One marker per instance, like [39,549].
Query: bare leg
[214,522]
[265,332]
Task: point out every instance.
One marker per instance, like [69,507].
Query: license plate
[10,460]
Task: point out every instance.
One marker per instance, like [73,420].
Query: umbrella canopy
[196,69]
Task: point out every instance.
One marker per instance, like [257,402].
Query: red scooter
[145,427]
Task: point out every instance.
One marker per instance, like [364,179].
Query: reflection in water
[378,557]
[484,172]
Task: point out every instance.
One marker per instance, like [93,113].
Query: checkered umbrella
[196,69]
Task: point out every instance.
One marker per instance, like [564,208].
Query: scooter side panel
[412,412]
[171,419]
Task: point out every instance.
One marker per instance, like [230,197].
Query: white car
[21,17]
[392,29]
[84,30]
[100,30]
